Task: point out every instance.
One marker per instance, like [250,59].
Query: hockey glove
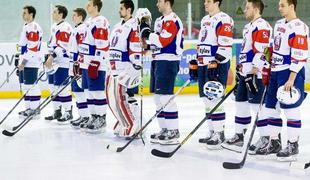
[213,70]
[251,83]
[93,69]
[193,70]
[266,76]
[16,59]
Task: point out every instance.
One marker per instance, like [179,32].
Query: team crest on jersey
[277,42]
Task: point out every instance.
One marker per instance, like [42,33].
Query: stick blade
[307,165]
[162,154]
[8,133]
[112,148]
[231,165]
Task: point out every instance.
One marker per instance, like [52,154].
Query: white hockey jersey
[125,46]
[256,37]
[77,39]
[215,37]
[30,44]
[59,43]
[96,43]
[290,46]
[167,40]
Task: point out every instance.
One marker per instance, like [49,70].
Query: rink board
[12,88]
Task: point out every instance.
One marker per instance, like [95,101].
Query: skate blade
[97,131]
[287,159]
[63,123]
[266,157]
[214,147]
[233,148]
[169,143]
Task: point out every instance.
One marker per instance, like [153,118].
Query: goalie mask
[288,97]
[213,90]
[143,14]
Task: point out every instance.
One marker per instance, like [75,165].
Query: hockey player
[167,45]
[95,51]
[125,66]
[256,37]
[214,52]
[75,68]
[58,64]
[287,78]
[30,60]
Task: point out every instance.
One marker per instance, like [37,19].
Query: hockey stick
[299,165]
[20,100]
[239,165]
[27,120]
[7,79]
[40,105]
[162,154]
[120,149]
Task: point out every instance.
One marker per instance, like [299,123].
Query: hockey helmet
[213,90]
[288,97]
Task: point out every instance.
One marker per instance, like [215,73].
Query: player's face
[284,8]
[161,5]
[26,15]
[210,5]
[249,11]
[76,18]
[122,11]
[90,7]
[56,15]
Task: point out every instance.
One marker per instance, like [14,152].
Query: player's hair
[128,4]
[31,10]
[220,2]
[294,2]
[258,4]
[62,10]
[81,12]
[97,3]
[171,2]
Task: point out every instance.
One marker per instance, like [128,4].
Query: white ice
[43,151]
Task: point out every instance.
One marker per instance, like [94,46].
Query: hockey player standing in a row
[30,60]
[95,51]
[76,66]
[214,52]
[286,84]
[58,60]
[256,37]
[167,45]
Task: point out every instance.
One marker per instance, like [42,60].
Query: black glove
[193,70]
[251,83]
[16,60]
[145,30]
[213,70]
